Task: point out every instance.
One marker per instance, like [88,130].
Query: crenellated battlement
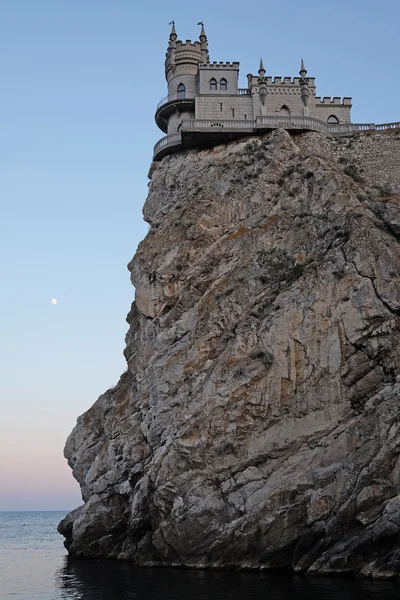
[187,45]
[295,81]
[335,100]
[220,65]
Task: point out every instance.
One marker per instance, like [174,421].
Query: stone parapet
[220,130]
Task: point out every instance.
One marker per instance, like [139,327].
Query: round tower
[181,68]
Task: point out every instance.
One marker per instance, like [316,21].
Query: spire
[303,70]
[203,44]
[172,46]
[262,82]
[261,70]
[304,91]
[202,32]
[173,31]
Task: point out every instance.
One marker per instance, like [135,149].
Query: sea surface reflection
[114,580]
[34,566]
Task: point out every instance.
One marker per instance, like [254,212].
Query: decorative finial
[202,32]
[302,68]
[173,30]
[261,70]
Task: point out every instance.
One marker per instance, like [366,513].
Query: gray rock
[257,424]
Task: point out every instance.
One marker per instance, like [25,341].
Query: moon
[54,300]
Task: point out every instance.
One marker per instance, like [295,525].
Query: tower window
[332,120]
[181,91]
[213,84]
[223,85]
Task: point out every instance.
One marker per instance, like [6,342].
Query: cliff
[257,424]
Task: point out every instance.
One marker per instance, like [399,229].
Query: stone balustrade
[346,128]
[291,123]
[172,143]
[176,98]
[215,124]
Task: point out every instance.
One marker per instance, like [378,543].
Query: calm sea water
[34,566]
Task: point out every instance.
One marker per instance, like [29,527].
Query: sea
[35,566]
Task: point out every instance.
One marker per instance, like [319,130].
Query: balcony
[166,106]
[167,145]
[205,133]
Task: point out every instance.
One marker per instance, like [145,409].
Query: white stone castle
[205,106]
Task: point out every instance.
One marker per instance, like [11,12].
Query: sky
[80,81]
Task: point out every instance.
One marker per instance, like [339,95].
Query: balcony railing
[344,128]
[276,122]
[244,92]
[176,97]
[174,139]
[262,123]
[218,124]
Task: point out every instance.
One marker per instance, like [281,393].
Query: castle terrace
[205,106]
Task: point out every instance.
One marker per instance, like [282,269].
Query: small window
[223,85]
[213,84]
[181,91]
[284,111]
[332,120]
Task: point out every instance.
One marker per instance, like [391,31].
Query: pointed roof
[302,68]
[261,70]
[203,31]
[173,30]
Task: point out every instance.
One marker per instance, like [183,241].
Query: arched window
[284,111]
[179,127]
[181,91]
[332,120]
[223,85]
[213,84]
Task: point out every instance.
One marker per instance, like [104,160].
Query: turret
[304,91]
[262,83]
[205,58]
[181,69]
[170,55]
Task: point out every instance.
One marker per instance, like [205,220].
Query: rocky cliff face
[257,424]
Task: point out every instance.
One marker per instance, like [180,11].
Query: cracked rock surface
[257,424]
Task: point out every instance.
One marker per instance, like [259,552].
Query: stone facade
[202,90]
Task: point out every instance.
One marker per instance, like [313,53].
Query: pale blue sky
[80,80]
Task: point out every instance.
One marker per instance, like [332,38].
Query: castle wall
[176,119]
[323,109]
[209,107]
[218,71]
[182,76]
[278,97]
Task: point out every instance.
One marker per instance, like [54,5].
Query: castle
[205,106]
